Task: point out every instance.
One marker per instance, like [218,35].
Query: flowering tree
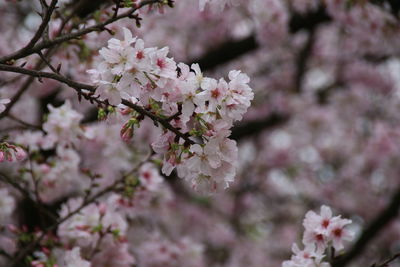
[209,150]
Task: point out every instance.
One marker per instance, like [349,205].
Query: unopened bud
[126,111]
[102,209]
[20,153]
[127,131]
[101,114]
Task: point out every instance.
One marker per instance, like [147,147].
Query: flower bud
[127,129]
[125,111]
[102,209]
[127,132]
[101,114]
[20,153]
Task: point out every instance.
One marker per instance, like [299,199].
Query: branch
[49,43]
[85,7]
[24,192]
[43,74]
[309,20]
[38,66]
[240,131]
[386,262]
[254,127]
[24,123]
[385,217]
[48,63]
[226,52]
[163,122]
[47,11]
[79,86]
[233,49]
[28,82]
[5,254]
[302,60]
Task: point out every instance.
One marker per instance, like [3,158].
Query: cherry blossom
[201,98]
[321,231]
[149,177]
[73,258]
[9,152]
[62,125]
[118,149]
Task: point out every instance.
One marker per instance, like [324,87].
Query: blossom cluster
[58,174]
[96,233]
[9,152]
[202,108]
[313,149]
[321,231]
[94,222]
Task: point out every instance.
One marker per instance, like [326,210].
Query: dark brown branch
[251,128]
[309,20]
[302,60]
[226,52]
[47,12]
[25,86]
[233,49]
[5,254]
[163,122]
[382,220]
[49,43]
[24,123]
[43,74]
[85,7]
[79,86]
[25,193]
[386,262]
[240,131]
[48,63]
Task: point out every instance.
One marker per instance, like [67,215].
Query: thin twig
[51,45]
[46,15]
[386,262]
[48,63]
[98,27]
[10,181]
[43,74]
[27,124]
